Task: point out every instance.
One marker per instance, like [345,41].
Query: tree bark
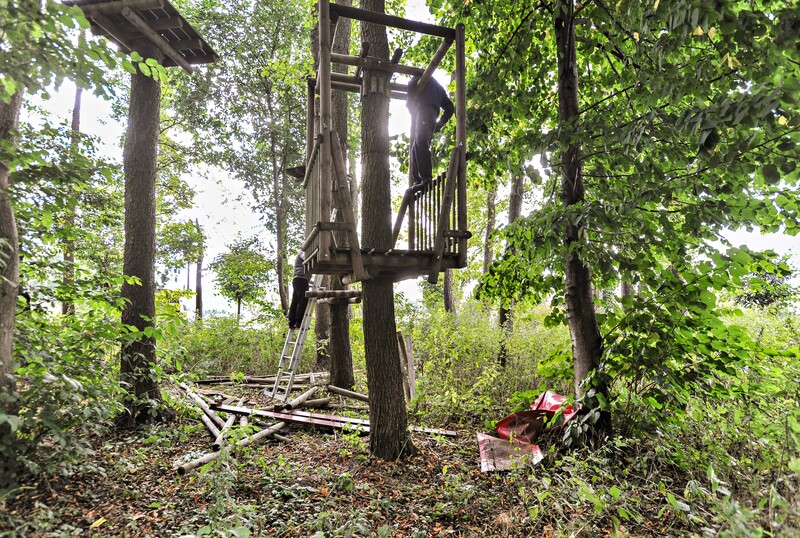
[338,341]
[389,437]
[448,295]
[587,343]
[67,306]
[140,155]
[9,288]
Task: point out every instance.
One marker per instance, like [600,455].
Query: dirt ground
[320,483]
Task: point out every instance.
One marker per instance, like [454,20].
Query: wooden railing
[432,208]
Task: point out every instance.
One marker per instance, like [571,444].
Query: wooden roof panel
[107,18]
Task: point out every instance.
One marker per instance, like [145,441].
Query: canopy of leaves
[40,44]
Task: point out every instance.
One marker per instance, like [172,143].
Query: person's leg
[299,286]
[422,159]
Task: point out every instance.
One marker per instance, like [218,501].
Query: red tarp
[525,426]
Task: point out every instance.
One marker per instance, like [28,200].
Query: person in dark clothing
[425,106]
[299,288]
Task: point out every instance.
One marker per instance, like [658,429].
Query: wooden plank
[339,294]
[376,63]
[112,8]
[392,21]
[162,44]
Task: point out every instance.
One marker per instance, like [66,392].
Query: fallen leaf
[97,523]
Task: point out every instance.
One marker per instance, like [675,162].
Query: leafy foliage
[243,272]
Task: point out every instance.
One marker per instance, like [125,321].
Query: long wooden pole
[391,20]
[194,464]
[203,405]
[461,142]
[325,156]
[348,393]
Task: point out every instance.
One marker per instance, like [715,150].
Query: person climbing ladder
[299,288]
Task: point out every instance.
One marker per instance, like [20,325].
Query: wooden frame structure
[437,212]
[128,22]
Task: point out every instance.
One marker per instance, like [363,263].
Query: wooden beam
[435,61]
[391,21]
[376,63]
[349,393]
[156,39]
[340,294]
[112,8]
[111,30]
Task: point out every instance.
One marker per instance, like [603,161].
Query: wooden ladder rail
[444,214]
[346,203]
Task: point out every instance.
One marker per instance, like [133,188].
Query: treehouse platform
[430,229]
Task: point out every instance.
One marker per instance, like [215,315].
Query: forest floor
[322,483]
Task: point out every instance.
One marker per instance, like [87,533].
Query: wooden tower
[434,214]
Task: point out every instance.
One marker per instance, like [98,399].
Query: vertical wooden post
[403,367]
[461,142]
[310,116]
[325,156]
[412,206]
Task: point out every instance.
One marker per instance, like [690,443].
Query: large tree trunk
[68,307]
[587,344]
[389,437]
[338,341]
[140,160]
[9,287]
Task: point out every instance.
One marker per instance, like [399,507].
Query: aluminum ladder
[293,350]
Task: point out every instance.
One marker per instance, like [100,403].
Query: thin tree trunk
[389,437]
[9,288]
[447,292]
[587,343]
[338,342]
[68,307]
[491,212]
[140,155]
[198,277]
[280,221]
[506,317]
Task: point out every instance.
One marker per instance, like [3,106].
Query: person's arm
[447,112]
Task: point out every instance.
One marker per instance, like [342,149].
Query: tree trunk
[9,288]
[198,278]
[491,211]
[448,295]
[506,317]
[389,437]
[140,154]
[587,344]
[280,222]
[68,307]
[339,350]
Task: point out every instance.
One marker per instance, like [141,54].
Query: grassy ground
[324,483]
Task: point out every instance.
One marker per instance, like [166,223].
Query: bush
[220,345]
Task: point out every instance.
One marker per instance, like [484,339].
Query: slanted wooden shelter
[434,214]
[129,22]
